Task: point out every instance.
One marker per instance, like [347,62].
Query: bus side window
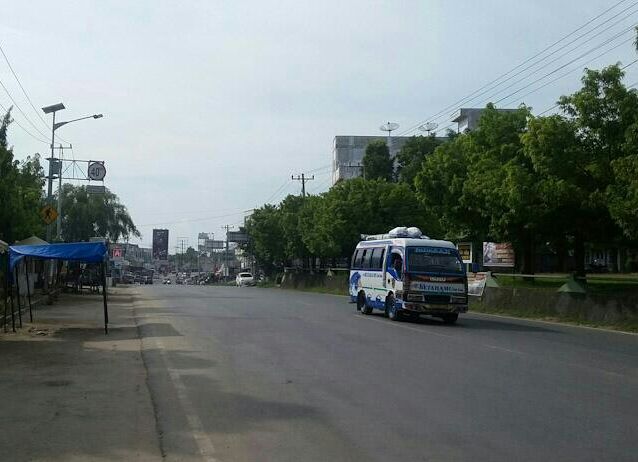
[355,255]
[376,263]
[381,260]
[365,260]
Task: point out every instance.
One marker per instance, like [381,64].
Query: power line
[622,68]
[567,64]
[25,130]
[278,191]
[20,109]
[24,91]
[565,74]
[464,99]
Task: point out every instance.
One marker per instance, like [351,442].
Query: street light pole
[58,222]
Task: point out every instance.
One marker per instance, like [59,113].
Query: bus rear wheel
[362,305]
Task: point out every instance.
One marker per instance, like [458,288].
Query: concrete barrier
[327,279]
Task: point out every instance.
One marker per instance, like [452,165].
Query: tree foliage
[87,215]
[377,163]
[412,155]
[21,193]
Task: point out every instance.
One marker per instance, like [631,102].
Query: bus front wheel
[391,309]
[450,318]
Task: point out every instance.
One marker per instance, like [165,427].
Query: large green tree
[377,163]
[266,242]
[412,155]
[87,215]
[21,193]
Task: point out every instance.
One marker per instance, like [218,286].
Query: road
[270,375]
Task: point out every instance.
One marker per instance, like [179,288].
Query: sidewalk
[70,393]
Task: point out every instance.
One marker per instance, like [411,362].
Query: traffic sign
[48,214]
[94,189]
[97,171]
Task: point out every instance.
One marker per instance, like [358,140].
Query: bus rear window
[433,259]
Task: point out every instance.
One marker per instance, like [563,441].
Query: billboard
[160,244]
[236,236]
[465,251]
[498,254]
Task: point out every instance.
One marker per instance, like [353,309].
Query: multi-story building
[348,151]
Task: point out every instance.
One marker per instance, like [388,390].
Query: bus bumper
[433,309]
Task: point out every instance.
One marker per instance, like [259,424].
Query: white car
[244,279]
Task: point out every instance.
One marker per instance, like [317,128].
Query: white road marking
[204,444]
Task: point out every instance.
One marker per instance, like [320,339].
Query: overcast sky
[210,106]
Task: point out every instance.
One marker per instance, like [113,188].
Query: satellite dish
[389,127]
[428,127]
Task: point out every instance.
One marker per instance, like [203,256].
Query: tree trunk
[579,254]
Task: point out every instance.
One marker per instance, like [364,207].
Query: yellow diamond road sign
[49,214]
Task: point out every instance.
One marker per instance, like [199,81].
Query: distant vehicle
[166,281]
[128,278]
[244,279]
[407,274]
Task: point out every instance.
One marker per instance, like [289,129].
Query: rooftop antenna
[389,127]
[428,127]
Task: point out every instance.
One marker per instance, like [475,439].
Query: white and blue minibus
[406,274]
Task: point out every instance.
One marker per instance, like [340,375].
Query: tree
[377,162]
[87,215]
[266,243]
[21,196]
[411,156]
[333,225]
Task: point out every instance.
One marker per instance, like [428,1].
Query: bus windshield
[433,259]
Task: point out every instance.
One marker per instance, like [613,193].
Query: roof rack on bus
[401,232]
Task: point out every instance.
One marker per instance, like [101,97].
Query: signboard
[202,236]
[160,244]
[97,171]
[48,214]
[476,283]
[465,250]
[117,252]
[236,236]
[93,189]
[498,254]
[210,244]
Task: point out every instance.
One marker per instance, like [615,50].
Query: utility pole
[303,180]
[226,256]
[58,221]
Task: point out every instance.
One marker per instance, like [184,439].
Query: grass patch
[598,283]
[629,325]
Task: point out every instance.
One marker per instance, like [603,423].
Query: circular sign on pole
[97,171]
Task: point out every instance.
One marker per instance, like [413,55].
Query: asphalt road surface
[270,375]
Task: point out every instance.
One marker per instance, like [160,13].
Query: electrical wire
[489,84]
[25,130]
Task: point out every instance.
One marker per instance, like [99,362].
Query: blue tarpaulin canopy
[88,252]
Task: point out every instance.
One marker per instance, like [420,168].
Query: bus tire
[391,309]
[450,318]
[362,305]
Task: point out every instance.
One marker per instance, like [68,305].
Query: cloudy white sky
[210,106]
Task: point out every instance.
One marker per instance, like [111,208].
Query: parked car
[167,281]
[244,279]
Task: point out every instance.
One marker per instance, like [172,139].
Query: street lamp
[55,125]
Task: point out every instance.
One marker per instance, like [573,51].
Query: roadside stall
[83,252]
